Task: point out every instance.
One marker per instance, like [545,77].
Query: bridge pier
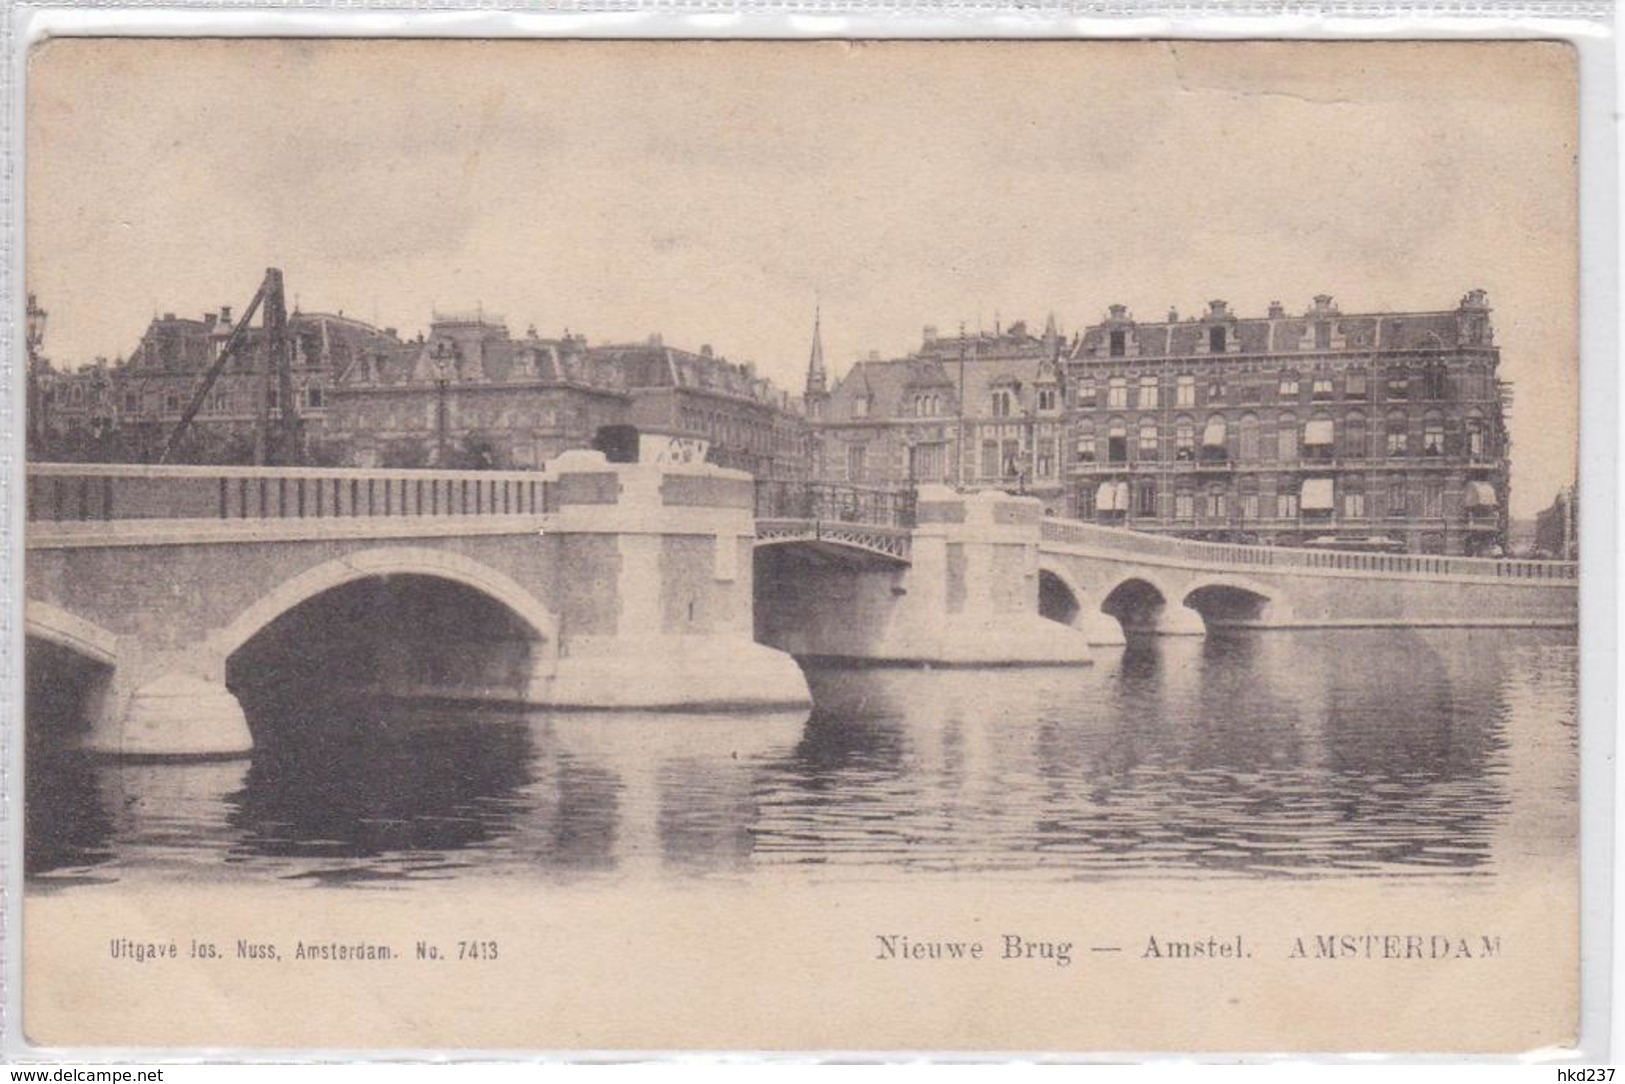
[667,622]
[967,597]
[182,710]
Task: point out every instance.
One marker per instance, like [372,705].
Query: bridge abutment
[173,706]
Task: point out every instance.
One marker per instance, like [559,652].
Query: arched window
[1215,434]
[1433,433]
[1286,438]
[1395,439]
[1184,437]
[1475,435]
[1148,438]
[1354,446]
[1248,429]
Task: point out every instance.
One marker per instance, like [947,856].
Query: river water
[1338,754]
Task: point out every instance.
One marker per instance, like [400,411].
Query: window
[1322,389]
[1215,435]
[1184,438]
[1433,435]
[1286,505]
[172,401]
[1119,343]
[1213,504]
[1086,443]
[1215,340]
[1249,506]
[1289,386]
[1433,500]
[1083,502]
[1148,393]
[1046,399]
[1117,442]
[1396,497]
[1145,499]
[860,407]
[1086,393]
[1286,438]
[926,462]
[1434,383]
[1249,436]
[1010,456]
[1353,505]
[1215,391]
[990,459]
[1399,385]
[1475,437]
[854,462]
[1323,335]
[1185,392]
[220,401]
[1354,386]
[313,397]
[132,403]
[1046,458]
[1395,444]
[1001,404]
[1117,393]
[1354,437]
[1185,505]
[1148,438]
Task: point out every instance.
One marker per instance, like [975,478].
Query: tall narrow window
[1249,437]
[1184,438]
[1185,392]
[1433,435]
[1148,438]
[1119,343]
[1215,340]
[1117,442]
[1086,441]
[1323,335]
[1117,393]
[1148,393]
[855,462]
[1001,404]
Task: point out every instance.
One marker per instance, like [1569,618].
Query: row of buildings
[1316,427]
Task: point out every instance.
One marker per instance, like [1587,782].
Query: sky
[717,193]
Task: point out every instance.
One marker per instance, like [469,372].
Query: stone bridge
[161,599]
[1105,581]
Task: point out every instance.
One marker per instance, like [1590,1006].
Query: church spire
[817,379]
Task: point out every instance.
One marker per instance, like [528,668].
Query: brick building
[1382,430]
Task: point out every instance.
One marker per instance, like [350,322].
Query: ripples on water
[1348,753]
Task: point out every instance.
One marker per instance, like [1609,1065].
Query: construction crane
[273,444]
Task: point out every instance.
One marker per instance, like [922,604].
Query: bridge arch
[393,561]
[52,625]
[1143,603]
[1232,602]
[1060,598]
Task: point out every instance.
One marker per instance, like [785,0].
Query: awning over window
[1480,495]
[1213,435]
[1317,494]
[1318,431]
[1112,497]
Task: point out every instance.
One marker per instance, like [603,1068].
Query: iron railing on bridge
[1136,543]
[834,502]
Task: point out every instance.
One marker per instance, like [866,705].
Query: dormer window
[1323,335]
[1215,340]
[1046,399]
[860,407]
[1001,404]
[1119,343]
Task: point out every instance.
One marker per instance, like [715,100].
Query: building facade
[983,411]
[466,395]
[1383,431]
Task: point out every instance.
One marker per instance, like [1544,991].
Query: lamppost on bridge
[441,418]
[39,378]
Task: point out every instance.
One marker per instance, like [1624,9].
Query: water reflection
[1346,753]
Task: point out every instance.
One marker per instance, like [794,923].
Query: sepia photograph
[567,546]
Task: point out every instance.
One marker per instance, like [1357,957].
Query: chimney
[225,314]
[929,335]
[1277,310]
[1173,315]
[705,350]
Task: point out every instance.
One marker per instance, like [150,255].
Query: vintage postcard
[564,546]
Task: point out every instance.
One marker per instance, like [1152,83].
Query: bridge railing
[1136,543]
[833,502]
[64,492]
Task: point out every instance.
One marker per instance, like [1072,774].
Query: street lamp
[441,367]
[39,390]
